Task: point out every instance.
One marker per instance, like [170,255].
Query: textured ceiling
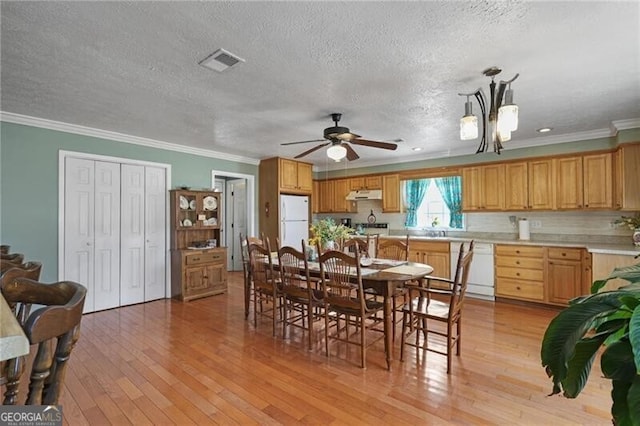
[393,69]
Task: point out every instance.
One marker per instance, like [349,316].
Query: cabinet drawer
[520,262]
[565,253]
[200,258]
[519,289]
[429,246]
[520,274]
[520,251]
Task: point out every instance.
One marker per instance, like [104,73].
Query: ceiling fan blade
[295,143]
[309,151]
[351,154]
[375,144]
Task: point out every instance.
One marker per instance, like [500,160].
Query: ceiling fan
[340,139]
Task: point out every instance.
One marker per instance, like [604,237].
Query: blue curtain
[450,188]
[415,191]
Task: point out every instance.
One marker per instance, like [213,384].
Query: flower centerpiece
[633,223]
[328,233]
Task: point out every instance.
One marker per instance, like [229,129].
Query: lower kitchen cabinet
[564,274]
[434,254]
[198,273]
[519,272]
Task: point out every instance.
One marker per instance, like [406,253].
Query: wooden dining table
[384,277]
[13,341]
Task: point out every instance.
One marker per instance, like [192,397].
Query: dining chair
[29,266]
[54,327]
[300,296]
[4,249]
[245,241]
[345,303]
[264,282]
[440,305]
[12,258]
[348,246]
[395,249]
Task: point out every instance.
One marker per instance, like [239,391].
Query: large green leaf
[620,407]
[568,327]
[634,336]
[627,273]
[579,365]
[633,401]
[617,361]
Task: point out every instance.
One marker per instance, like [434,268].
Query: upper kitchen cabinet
[295,176]
[483,187]
[516,186]
[315,197]
[541,187]
[627,176]
[340,191]
[365,182]
[584,182]
[391,193]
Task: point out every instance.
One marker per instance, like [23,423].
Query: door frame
[251,194]
[62,155]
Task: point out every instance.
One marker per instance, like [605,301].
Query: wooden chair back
[342,281]
[460,280]
[4,249]
[29,270]
[348,246]
[55,328]
[393,249]
[294,272]
[12,258]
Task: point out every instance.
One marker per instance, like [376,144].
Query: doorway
[239,212]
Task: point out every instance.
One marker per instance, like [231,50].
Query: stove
[373,228]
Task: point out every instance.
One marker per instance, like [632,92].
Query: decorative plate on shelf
[184,203]
[212,221]
[210,203]
[187,222]
[192,205]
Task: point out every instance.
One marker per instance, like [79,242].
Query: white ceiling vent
[220,60]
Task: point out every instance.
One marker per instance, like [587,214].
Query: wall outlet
[536,224]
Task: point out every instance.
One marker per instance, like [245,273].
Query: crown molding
[632,123]
[43,123]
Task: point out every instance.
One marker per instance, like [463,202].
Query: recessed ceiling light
[417,148]
[544,129]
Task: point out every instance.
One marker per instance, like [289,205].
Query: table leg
[388,325]
[247,293]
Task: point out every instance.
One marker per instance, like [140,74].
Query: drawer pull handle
[517,262]
[564,254]
[517,287]
[196,258]
[518,251]
[518,274]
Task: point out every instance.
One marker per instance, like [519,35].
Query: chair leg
[284,317]
[449,348]
[459,335]
[310,323]
[363,351]
[326,330]
[402,338]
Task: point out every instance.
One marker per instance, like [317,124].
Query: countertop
[592,247]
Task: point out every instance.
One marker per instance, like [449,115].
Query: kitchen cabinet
[433,253]
[365,182]
[564,275]
[519,272]
[325,191]
[391,193]
[483,187]
[541,184]
[315,197]
[516,186]
[198,266]
[568,182]
[627,176]
[598,180]
[295,176]
[604,264]
[340,191]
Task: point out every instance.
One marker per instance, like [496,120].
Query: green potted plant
[633,223]
[609,319]
[328,233]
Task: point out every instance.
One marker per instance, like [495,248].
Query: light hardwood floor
[200,362]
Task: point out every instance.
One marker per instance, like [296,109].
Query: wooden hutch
[198,264]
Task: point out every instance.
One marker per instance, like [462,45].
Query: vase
[330,245]
[636,237]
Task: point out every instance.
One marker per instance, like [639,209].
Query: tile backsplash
[551,223]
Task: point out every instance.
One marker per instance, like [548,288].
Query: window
[435,202]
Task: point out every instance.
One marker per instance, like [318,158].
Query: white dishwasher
[481,275]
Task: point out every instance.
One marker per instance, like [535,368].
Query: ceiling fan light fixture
[336,152]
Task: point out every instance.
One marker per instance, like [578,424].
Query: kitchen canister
[523,229]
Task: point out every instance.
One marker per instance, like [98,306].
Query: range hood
[374,194]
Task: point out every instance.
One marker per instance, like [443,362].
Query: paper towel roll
[523,228]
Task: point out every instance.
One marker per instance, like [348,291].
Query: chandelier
[499,121]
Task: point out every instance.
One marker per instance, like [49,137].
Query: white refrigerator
[294,220]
